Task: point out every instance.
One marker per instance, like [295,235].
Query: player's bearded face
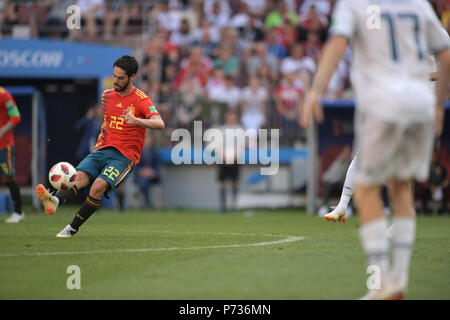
[121,87]
[121,80]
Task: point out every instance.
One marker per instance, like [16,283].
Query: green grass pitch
[279,254]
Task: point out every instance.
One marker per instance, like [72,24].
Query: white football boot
[15,218]
[67,232]
[338,214]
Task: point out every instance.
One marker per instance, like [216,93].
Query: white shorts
[388,150]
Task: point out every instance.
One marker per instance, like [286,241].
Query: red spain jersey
[115,132]
[8,113]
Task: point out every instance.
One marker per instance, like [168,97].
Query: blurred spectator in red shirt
[196,65]
[288,98]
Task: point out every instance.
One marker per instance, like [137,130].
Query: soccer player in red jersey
[128,113]
[9,118]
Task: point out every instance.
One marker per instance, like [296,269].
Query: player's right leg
[91,204]
[403,233]
[339,213]
[51,202]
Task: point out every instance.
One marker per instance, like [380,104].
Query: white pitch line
[258,244]
[209,232]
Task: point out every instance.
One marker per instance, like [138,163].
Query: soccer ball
[62,176]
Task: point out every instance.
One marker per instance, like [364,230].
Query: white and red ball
[62,176]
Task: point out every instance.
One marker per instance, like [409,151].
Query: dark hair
[127,64]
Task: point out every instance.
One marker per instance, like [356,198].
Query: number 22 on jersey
[116,123]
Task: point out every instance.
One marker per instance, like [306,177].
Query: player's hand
[312,107]
[129,117]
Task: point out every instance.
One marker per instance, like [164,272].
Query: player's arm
[443,79]
[331,55]
[13,114]
[155,122]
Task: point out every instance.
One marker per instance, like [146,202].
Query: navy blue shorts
[7,162]
[108,164]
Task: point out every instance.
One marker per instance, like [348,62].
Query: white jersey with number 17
[391,40]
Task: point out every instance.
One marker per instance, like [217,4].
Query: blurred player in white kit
[397,117]
[339,212]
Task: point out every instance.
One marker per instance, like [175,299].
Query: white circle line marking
[258,244]
[209,232]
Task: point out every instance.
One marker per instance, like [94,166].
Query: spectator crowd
[255,57]
[199,58]
[203,57]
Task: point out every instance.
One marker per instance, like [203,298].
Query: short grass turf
[168,255]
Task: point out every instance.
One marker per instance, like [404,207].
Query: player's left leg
[339,213]
[372,232]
